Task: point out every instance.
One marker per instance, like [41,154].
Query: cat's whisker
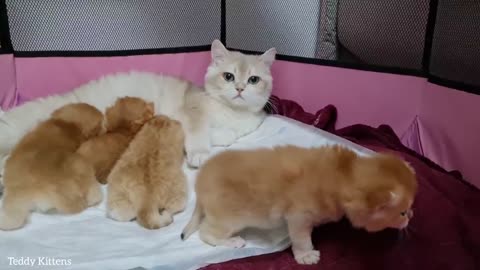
[268,107]
[272,106]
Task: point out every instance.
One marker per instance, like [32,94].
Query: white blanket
[92,241]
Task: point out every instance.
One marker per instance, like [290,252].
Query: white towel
[91,241]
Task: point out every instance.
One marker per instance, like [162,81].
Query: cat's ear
[150,108]
[409,166]
[268,57]
[219,52]
[382,199]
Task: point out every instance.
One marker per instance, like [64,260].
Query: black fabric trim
[5,51]
[469,88]
[5,40]
[430,31]
[223,23]
[333,63]
[111,53]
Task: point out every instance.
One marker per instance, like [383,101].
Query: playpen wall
[435,121]
[356,52]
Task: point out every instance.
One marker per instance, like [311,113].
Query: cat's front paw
[307,257]
[195,159]
[235,242]
[222,137]
[8,223]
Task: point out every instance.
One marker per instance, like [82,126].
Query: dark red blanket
[444,233]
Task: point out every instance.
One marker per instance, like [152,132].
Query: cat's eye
[404,213]
[229,77]
[253,80]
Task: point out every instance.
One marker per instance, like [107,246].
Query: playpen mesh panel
[290,26]
[456,41]
[385,33]
[92,25]
[388,33]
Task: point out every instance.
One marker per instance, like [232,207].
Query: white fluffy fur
[215,116]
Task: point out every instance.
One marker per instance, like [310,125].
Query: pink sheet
[7,81]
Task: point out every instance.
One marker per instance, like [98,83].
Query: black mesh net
[386,33]
[456,41]
[290,26]
[89,25]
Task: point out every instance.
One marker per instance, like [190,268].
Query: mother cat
[237,86]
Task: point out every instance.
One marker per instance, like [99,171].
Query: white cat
[237,86]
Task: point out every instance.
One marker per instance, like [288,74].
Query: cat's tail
[194,222]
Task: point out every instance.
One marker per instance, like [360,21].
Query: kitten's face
[390,187]
[395,215]
[239,80]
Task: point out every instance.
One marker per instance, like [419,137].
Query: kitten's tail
[194,222]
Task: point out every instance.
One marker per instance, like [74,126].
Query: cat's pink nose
[410,214]
[239,90]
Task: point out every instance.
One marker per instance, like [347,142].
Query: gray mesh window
[290,26]
[89,25]
[456,41]
[386,33]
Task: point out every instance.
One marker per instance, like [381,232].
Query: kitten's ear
[268,57]
[219,52]
[150,108]
[379,200]
[409,166]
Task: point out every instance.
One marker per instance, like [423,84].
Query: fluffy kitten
[44,172]
[148,182]
[237,86]
[304,187]
[123,120]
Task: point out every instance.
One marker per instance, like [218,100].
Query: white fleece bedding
[92,241]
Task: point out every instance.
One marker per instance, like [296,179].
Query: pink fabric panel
[42,76]
[360,96]
[449,126]
[7,81]
[435,121]
[411,138]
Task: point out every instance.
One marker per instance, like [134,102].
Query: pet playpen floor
[93,241]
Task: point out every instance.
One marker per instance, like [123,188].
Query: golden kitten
[123,120]
[304,187]
[43,171]
[148,182]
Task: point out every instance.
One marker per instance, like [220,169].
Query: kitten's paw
[95,195]
[235,242]
[9,223]
[307,257]
[222,137]
[195,159]
[155,221]
[121,214]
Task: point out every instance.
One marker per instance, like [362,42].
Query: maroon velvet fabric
[444,233]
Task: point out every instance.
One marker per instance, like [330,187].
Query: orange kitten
[148,182]
[43,171]
[304,187]
[123,120]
